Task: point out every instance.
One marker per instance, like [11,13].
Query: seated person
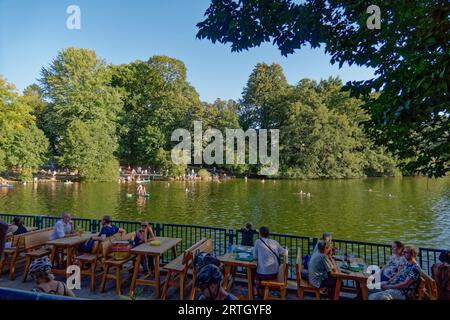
[267,253]
[14,229]
[17,227]
[145,234]
[209,282]
[107,230]
[40,271]
[63,227]
[404,284]
[320,268]
[396,262]
[441,274]
[326,236]
[247,235]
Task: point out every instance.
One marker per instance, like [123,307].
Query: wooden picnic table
[68,244]
[146,249]
[230,262]
[360,277]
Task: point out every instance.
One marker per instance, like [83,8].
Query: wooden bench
[427,289]
[177,269]
[279,283]
[34,248]
[13,254]
[119,265]
[303,285]
[93,259]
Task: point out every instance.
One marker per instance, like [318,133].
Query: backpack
[203,259]
[305,261]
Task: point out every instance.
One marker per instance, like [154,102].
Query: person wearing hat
[208,281]
[41,272]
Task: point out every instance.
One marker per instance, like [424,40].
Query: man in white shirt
[62,227]
[267,252]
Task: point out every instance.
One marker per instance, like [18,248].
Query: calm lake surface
[415,210]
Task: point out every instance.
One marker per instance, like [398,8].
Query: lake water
[414,210]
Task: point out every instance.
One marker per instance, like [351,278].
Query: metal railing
[372,253]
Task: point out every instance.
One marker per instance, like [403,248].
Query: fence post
[94,225]
[158,229]
[314,242]
[38,222]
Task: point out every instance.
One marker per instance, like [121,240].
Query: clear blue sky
[120,31]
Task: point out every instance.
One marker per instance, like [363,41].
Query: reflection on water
[415,210]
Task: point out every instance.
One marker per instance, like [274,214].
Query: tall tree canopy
[410,55]
[22,144]
[157,100]
[78,87]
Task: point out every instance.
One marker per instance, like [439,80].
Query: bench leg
[27,269]
[266,293]
[166,285]
[118,282]
[2,263]
[317,294]
[12,267]
[92,275]
[300,293]
[283,292]
[105,276]
[182,286]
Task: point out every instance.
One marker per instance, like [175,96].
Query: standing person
[3,232]
[247,235]
[401,286]
[63,227]
[320,268]
[145,234]
[396,262]
[267,253]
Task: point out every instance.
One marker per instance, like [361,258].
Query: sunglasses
[144,225]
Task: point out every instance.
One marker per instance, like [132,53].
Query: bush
[204,174]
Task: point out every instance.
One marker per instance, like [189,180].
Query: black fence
[371,253]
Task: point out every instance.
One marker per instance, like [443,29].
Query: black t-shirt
[247,237]
[20,230]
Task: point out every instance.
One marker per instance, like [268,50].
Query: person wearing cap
[208,281]
[41,272]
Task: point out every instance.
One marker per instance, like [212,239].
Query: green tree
[88,147]
[22,144]
[157,100]
[78,87]
[409,54]
[261,107]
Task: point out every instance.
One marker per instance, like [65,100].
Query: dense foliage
[410,55]
[96,115]
[22,144]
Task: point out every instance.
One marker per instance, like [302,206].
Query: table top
[230,259]
[166,244]
[355,275]
[71,241]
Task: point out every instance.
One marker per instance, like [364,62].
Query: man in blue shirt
[107,230]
